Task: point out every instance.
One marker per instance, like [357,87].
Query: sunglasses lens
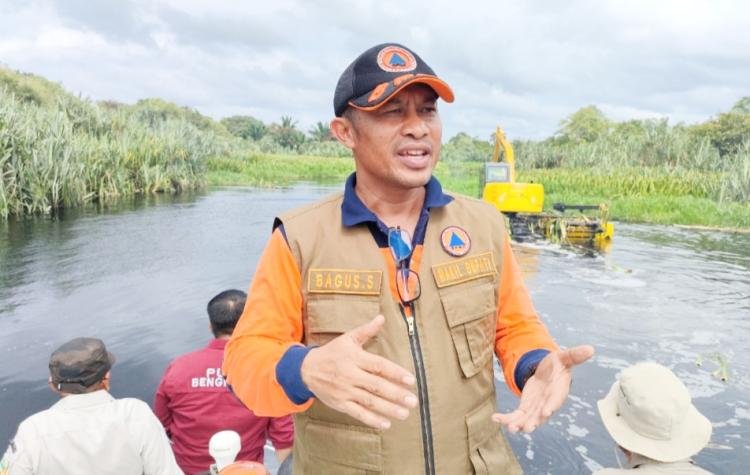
[407,284]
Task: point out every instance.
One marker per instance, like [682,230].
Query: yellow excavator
[523,204]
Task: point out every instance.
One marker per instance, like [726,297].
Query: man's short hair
[224,311]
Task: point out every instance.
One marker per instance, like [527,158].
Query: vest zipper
[424,407]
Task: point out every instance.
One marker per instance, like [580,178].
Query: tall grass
[75,152]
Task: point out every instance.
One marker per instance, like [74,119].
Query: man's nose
[415,125]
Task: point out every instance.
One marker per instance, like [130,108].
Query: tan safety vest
[345,283]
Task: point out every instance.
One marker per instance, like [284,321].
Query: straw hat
[649,412]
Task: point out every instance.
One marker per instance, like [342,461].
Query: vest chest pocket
[471,313]
[330,316]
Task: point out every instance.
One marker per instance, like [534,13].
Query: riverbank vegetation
[58,150]
[644,170]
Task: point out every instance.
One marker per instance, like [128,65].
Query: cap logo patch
[455,241]
[395,59]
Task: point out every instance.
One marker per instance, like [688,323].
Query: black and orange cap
[379,73]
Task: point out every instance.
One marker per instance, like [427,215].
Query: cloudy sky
[524,65]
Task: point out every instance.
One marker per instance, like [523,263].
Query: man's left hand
[546,390]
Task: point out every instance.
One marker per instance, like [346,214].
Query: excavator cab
[496,173]
[500,187]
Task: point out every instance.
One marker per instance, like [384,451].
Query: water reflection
[139,276]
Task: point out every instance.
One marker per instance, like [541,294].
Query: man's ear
[343,130]
[52,386]
[106,380]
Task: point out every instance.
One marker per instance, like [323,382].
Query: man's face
[397,145]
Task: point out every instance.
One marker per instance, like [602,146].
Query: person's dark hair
[224,311]
[350,113]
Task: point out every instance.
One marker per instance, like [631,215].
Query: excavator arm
[502,145]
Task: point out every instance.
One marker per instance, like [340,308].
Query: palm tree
[321,132]
[287,134]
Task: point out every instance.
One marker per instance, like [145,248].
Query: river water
[139,276]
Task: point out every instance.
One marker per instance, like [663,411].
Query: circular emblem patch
[455,241]
[395,59]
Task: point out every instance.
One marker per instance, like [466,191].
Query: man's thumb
[363,333]
[577,355]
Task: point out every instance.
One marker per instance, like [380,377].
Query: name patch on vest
[464,270]
[344,281]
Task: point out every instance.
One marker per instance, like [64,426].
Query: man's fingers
[512,420]
[363,333]
[387,369]
[576,355]
[365,415]
[379,406]
[387,390]
[533,419]
[527,417]
[506,418]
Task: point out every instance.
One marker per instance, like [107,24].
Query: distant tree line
[284,136]
[727,134]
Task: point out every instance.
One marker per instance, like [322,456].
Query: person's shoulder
[31,424]
[472,202]
[33,427]
[131,405]
[475,209]
[331,201]
[132,409]
[190,359]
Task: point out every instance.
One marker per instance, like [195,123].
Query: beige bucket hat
[648,411]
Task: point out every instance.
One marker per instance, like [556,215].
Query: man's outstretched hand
[347,378]
[546,390]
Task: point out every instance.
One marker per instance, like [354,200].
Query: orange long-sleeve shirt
[272,323]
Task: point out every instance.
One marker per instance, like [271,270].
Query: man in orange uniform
[374,313]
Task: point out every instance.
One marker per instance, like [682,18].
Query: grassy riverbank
[59,151]
[633,194]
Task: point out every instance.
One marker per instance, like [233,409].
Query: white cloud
[522,65]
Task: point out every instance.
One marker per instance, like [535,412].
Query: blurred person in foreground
[374,314]
[88,430]
[193,401]
[649,414]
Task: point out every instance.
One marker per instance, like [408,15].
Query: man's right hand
[367,387]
